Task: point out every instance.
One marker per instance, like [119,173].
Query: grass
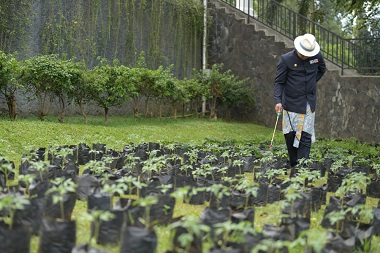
[20,136]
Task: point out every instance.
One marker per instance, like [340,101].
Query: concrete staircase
[269,32]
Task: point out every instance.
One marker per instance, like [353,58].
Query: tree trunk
[12,106]
[146,106]
[41,102]
[135,107]
[106,109]
[81,107]
[62,109]
[213,108]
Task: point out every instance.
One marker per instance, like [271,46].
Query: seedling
[155,164]
[222,170]
[181,193]
[336,218]
[95,154]
[363,212]
[131,160]
[316,239]
[186,168]
[27,179]
[249,188]
[7,169]
[12,203]
[193,229]
[272,174]
[200,171]
[376,168]
[303,177]
[354,182]
[226,156]
[64,153]
[40,167]
[147,203]
[292,193]
[61,186]
[219,191]
[192,155]
[232,232]
[112,189]
[268,245]
[266,159]
[239,163]
[96,217]
[337,165]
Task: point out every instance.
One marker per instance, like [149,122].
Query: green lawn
[20,136]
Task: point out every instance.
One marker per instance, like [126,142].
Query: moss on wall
[168,31]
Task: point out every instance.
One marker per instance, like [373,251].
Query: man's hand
[278,107]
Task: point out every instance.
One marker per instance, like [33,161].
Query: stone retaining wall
[347,106]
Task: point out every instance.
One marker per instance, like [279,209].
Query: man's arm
[279,81]
[321,68]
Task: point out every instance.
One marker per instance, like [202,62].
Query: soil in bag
[57,236]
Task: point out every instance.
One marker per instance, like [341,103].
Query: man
[297,74]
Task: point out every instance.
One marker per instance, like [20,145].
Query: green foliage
[28,180]
[194,229]
[105,90]
[96,217]
[223,87]
[11,203]
[9,80]
[198,134]
[60,187]
[147,203]
[6,168]
[48,76]
[353,183]
[14,23]
[369,9]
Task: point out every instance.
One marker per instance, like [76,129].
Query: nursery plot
[213,197]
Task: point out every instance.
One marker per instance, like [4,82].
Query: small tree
[80,90]
[163,87]
[10,70]
[221,86]
[48,76]
[105,90]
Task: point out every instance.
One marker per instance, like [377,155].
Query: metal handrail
[362,55]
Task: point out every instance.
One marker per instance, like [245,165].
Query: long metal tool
[274,130]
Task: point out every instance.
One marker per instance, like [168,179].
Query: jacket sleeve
[321,68]
[280,80]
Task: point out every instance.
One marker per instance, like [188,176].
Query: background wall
[347,106]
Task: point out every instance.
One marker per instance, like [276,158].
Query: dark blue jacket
[296,81]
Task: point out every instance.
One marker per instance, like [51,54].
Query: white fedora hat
[306,45]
